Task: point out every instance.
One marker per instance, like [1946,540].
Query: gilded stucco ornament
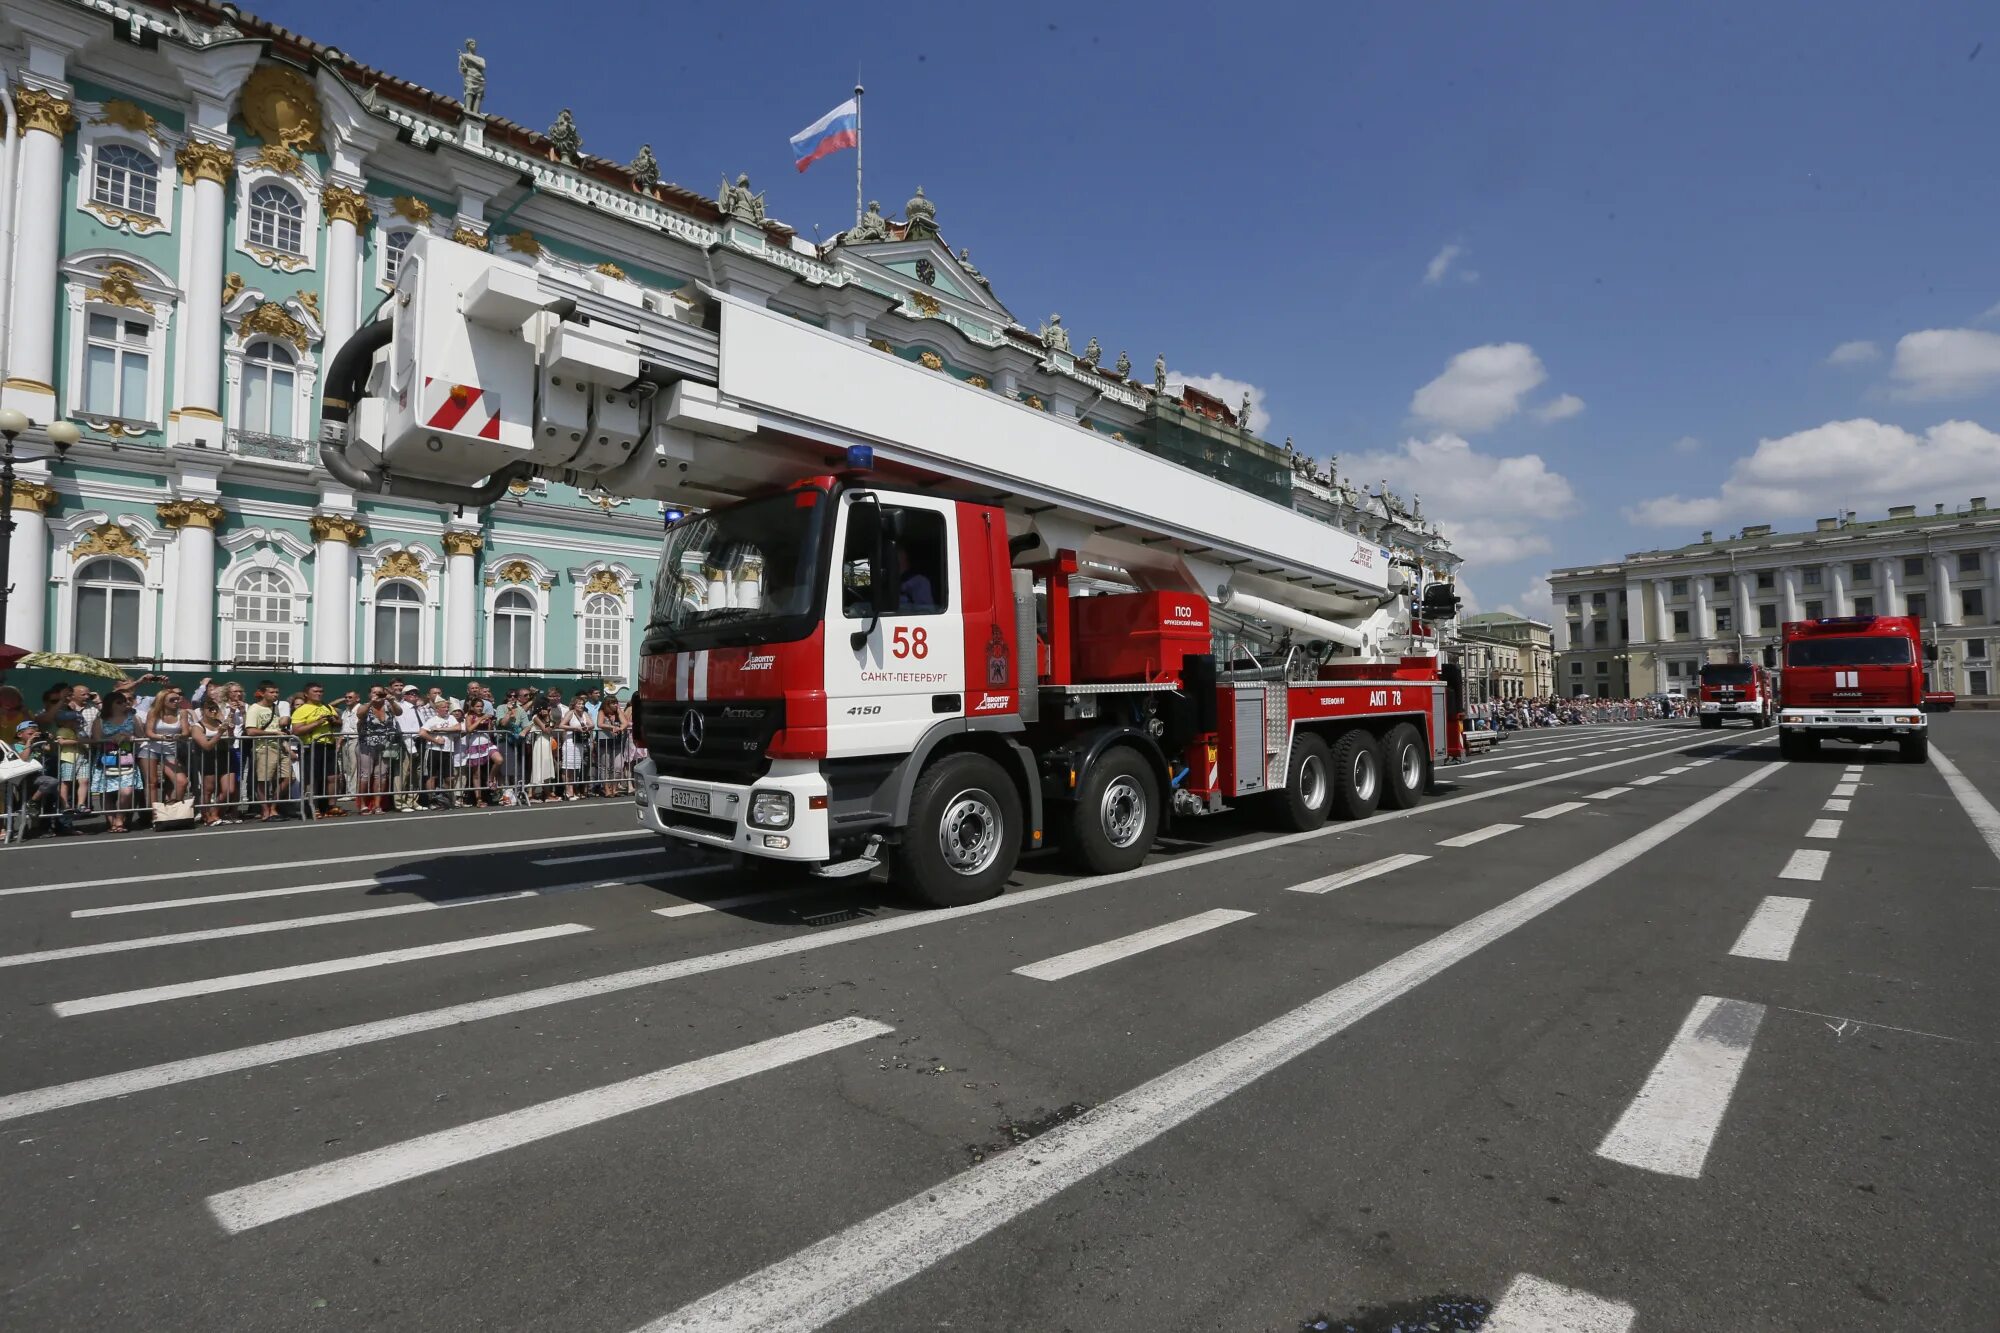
[119,285]
[345,205]
[411,208]
[280,107]
[232,287]
[34,497]
[458,542]
[272,318]
[604,580]
[611,270]
[524,243]
[1034,400]
[465,235]
[108,539]
[338,528]
[278,158]
[177,514]
[200,160]
[931,361]
[926,304]
[41,110]
[977,381]
[127,116]
[400,565]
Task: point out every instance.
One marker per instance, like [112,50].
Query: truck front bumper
[1853,724]
[1738,708]
[717,814]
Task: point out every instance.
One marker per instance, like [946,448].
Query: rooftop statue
[564,138]
[1124,366]
[1160,373]
[872,227]
[645,168]
[740,202]
[1054,336]
[965,262]
[472,69]
[1092,354]
[1243,412]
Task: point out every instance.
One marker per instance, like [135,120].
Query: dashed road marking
[1478,835]
[743,900]
[1551,811]
[248,896]
[1771,929]
[1097,955]
[1824,828]
[317,1186]
[94,1004]
[1606,794]
[1836,804]
[1674,772]
[1537,764]
[1671,1124]
[1358,873]
[1648,781]
[1846,788]
[1805,865]
[1531,1305]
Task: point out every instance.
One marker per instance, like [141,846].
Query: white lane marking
[168,1073]
[1593,754]
[1537,764]
[1846,788]
[94,1004]
[1551,811]
[1647,781]
[1824,828]
[1673,772]
[1771,929]
[1852,772]
[1977,808]
[827,1280]
[317,1186]
[743,900]
[1836,804]
[1531,1305]
[1606,794]
[1454,776]
[1359,873]
[1697,763]
[1671,1124]
[1478,835]
[1805,865]
[407,854]
[210,898]
[258,928]
[1097,955]
[597,856]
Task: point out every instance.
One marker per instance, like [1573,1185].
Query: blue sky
[1667,220]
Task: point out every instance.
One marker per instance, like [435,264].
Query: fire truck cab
[1735,689]
[1853,678]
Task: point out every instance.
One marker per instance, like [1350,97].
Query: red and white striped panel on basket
[464,408]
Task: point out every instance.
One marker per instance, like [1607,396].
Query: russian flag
[837,129]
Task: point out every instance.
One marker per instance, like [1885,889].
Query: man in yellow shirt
[317,726]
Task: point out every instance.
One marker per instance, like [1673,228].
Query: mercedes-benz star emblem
[692,728]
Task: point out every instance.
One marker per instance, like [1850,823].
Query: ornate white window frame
[112,282]
[424,570]
[393,213]
[533,578]
[253,549]
[259,166]
[606,576]
[121,122]
[297,321]
[147,554]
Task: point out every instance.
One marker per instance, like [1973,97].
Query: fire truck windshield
[1725,673]
[747,573]
[1858,650]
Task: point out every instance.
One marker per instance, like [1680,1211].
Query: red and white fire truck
[914,622]
[1853,678]
[1736,689]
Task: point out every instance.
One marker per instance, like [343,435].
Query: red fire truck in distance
[1736,689]
[1853,678]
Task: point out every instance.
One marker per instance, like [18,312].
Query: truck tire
[1357,774]
[964,834]
[1406,767]
[1116,815]
[1914,749]
[1794,746]
[1307,798]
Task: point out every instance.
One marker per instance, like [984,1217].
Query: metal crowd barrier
[96,786]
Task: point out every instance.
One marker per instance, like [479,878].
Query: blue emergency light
[861,457]
[669,517]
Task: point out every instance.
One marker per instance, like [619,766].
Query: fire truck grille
[721,739]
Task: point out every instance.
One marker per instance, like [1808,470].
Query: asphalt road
[1631,1028]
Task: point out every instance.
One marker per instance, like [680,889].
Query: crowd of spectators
[1550,710]
[147,751]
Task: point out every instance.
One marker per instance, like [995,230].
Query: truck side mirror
[1440,602]
[1930,652]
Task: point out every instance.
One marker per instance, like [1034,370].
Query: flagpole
[857,153]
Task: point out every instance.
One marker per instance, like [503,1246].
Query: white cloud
[1534,601]
[1439,268]
[1946,363]
[1560,409]
[1494,509]
[1854,353]
[1229,391]
[1686,444]
[1860,464]
[1480,387]
[1990,314]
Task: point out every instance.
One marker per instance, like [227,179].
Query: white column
[1746,608]
[206,165]
[461,597]
[1944,607]
[1838,603]
[191,638]
[347,212]
[28,566]
[334,538]
[45,118]
[1703,630]
[1663,625]
[1888,586]
[1635,611]
[1788,580]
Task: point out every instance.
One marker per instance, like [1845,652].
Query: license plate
[693,801]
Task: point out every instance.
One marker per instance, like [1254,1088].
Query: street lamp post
[13,423]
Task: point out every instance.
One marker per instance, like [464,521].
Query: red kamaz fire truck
[1736,689]
[1853,678]
[874,644]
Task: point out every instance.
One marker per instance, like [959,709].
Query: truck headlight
[770,809]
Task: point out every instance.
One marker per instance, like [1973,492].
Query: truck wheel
[1357,775]
[964,833]
[1116,814]
[1794,746]
[1914,749]
[1406,767]
[1308,795]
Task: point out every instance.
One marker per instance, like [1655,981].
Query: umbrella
[9,655]
[73,664]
